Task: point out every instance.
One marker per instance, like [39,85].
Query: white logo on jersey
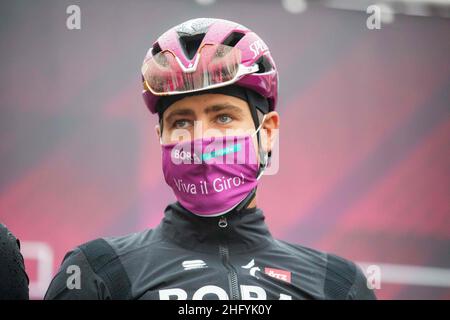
[247,293]
[253,269]
[194,264]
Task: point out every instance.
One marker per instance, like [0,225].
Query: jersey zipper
[232,274]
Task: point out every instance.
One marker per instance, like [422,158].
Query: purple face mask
[211,176]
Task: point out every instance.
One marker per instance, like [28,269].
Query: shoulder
[100,266]
[8,240]
[345,280]
[308,255]
[108,249]
[134,242]
[13,277]
[342,278]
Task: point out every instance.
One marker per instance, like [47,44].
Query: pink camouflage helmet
[205,53]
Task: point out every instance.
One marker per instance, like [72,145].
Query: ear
[269,130]
[158,131]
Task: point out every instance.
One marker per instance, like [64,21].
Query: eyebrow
[210,109]
[223,106]
[180,112]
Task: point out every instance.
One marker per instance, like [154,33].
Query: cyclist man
[213,84]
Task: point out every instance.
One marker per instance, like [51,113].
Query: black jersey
[191,257]
[13,278]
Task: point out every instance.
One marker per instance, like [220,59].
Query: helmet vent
[156,48]
[191,43]
[264,64]
[233,38]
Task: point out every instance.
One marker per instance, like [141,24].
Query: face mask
[211,176]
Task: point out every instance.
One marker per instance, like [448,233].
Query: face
[209,115]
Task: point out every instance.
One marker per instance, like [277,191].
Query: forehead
[204,102]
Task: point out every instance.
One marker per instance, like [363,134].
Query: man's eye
[224,119]
[181,124]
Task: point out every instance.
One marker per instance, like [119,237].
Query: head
[213,115]
[212,78]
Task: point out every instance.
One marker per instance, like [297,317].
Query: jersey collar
[245,229]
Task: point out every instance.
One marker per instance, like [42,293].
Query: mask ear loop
[251,195]
[263,168]
[263,156]
[259,127]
